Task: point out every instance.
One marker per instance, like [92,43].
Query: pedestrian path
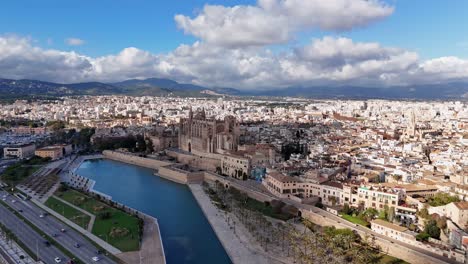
[93,217]
[111,249]
[14,252]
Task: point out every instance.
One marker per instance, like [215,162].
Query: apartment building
[20,151]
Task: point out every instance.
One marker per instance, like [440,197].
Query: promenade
[239,252]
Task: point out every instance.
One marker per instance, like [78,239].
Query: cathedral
[200,135]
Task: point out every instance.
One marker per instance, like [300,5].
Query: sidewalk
[78,228]
[236,250]
[93,217]
[14,252]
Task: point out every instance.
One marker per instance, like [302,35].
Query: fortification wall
[135,160]
[180,176]
[203,163]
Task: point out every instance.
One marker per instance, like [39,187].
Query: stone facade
[198,134]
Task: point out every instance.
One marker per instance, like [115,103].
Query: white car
[13,201]
[41,216]
[96,259]
[58,260]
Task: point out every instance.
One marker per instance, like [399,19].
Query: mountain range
[166,87]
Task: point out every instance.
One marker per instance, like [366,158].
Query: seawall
[135,160]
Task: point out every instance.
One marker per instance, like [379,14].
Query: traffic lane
[51,226]
[68,239]
[29,237]
[48,226]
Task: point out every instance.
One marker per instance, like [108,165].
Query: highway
[29,237]
[52,226]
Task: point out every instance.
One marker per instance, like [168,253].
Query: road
[29,237]
[50,225]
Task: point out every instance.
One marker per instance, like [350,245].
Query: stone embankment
[135,160]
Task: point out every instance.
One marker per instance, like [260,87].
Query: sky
[246,44]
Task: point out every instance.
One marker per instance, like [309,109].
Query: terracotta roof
[282,178]
[389,225]
[462,205]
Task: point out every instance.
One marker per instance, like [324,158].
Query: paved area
[15,254]
[151,251]
[29,237]
[52,227]
[237,251]
[93,217]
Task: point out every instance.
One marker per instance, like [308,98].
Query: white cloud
[276,21]
[325,61]
[74,41]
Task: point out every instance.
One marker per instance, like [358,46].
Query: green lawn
[386,259]
[118,228]
[69,212]
[355,220]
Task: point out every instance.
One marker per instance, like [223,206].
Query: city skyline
[242,44]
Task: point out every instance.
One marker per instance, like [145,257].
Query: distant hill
[166,87]
[418,92]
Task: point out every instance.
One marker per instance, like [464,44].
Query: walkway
[236,250]
[78,228]
[12,253]
[93,217]
[151,251]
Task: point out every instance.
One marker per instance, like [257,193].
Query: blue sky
[432,28]
[236,43]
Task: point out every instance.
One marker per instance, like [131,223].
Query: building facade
[200,135]
[20,152]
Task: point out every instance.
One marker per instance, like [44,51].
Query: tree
[432,229]
[442,222]
[346,209]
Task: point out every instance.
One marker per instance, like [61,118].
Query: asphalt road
[29,237]
[50,225]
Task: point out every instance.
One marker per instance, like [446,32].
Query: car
[63,230]
[20,210]
[98,252]
[96,259]
[4,199]
[54,235]
[58,260]
[13,201]
[46,243]
[77,245]
[41,216]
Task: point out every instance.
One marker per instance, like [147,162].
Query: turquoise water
[187,236]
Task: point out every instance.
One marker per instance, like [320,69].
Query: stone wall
[227,182]
[203,163]
[135,160]
[180,176]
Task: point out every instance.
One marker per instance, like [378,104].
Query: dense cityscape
[385,175]
[234,132]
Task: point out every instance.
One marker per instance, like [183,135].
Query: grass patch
[115,226]
[355,220]
[387,259]
[69,212]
